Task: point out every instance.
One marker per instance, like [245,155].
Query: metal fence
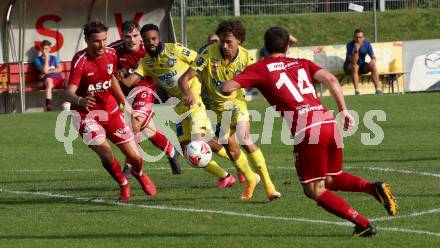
[283,7]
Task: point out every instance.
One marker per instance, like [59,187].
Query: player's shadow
[86,236]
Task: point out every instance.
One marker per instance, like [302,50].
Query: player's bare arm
[187,96]
[85,102]
[131,80]
[332,83]
[230,86]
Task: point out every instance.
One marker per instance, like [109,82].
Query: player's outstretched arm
[131,80]
[187,96]
[230,86]
[332,83]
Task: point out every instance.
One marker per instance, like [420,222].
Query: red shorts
[143,100]
[58,83]
[115,128]
[319,156]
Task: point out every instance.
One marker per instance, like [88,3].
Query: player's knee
[314,189]
[234,153]
[328,181]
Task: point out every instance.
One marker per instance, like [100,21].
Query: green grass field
[50,199]
[323,29]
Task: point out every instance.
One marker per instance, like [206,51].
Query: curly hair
[232,26]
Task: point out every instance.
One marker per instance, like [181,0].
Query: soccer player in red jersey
[129,51]
[286,83]
[96,115]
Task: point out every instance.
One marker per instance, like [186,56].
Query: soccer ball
[198,153]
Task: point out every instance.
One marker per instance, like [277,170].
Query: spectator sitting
[212,38]
[355,64]
[50,68]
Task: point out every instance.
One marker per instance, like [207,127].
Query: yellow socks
[259,163]
[222,153]
[243,165]
[216,170]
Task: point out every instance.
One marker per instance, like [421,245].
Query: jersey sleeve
[251,77]
[370,50]
[57,60]
[201,61]
[185,53]
[140,70]
[313,68]
[38,63]
[75,72]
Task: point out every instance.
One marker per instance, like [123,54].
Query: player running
[286,83]
[165,63]
[96,115]
[218,63]
[129,51]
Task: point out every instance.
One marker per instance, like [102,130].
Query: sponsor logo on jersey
[171,62]
[90,74]
[99,87]
[121,132]
[168,78]
[307,108]
[110,69]
[200,61]
[275,66]
[217,83]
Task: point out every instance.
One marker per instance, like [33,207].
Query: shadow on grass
[164,235]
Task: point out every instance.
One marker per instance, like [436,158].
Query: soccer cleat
[241,177]
[228,181]
[127,171]
[249,189]
[174,163]
[272,194]
[124,193]
[385,197]
[368,231]
[147,184]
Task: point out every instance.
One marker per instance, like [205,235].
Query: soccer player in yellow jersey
[165,63]
[218,63]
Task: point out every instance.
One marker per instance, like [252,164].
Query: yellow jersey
[171,63]
[213,71]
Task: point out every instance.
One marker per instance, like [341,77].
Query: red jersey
[93,77]
[287,84]
[129,60]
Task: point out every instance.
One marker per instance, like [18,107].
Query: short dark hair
[276,39]
[358,30]
[149,27]
[45,43]
[129,26]
[234,27]
[94,27]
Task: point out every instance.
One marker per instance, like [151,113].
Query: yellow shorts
[234,111]
[195,122]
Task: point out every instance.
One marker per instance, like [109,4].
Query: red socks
[347,182]
[339,207]
[160,141]
[114,169]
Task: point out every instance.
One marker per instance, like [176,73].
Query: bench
[10,76]
[387,78]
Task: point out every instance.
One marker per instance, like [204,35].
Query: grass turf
[323,29]
[33,160]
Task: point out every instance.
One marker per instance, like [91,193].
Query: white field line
[420,173]
[194,210]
